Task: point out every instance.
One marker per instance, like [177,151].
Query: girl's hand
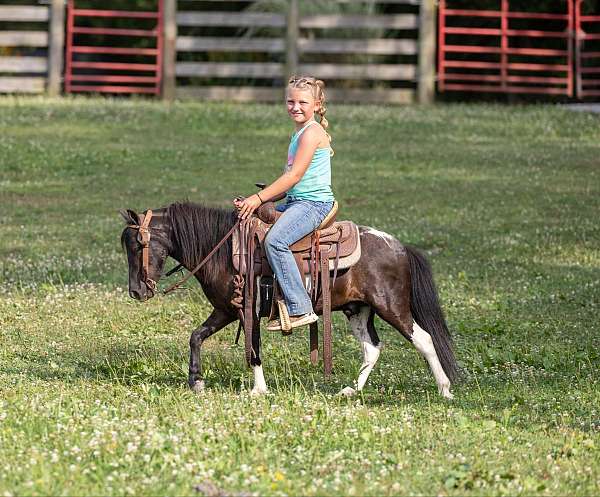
[247,206]
[238,202]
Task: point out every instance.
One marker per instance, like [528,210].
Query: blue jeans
[299,218]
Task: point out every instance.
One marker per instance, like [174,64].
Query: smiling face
[301,105]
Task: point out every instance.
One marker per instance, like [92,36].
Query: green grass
[93,399]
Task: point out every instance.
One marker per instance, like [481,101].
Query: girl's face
[301,105]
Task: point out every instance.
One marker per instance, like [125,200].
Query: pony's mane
[196,229]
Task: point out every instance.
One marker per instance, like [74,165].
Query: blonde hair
[317,89]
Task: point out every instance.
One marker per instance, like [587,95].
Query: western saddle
[333,246]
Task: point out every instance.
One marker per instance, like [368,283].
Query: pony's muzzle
[139,295]
[143,291]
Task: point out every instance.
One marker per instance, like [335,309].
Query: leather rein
[144,239]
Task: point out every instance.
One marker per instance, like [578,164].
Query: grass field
[93,400]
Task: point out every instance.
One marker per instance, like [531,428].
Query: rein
[197,268]
[144,239]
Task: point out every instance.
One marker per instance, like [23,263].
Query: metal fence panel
[96,63]
[504,53]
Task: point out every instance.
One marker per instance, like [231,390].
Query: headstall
[144,239]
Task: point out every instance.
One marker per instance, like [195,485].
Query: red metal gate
[587,49]
[110,58]
[504,51]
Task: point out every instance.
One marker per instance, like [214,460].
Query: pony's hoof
[445,392]
[198,386]
[347,392]
[258,391]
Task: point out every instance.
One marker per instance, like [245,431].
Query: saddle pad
[346,232]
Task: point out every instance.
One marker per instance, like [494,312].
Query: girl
[307,182]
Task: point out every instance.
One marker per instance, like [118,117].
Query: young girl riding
[306,185]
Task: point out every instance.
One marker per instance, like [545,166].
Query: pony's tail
[426,310]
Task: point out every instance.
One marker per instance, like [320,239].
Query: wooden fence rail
[381,60]
[31,60]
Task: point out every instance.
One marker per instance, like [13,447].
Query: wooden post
[578,35]
[426,81]
[170,50]
[293,30]
[56,46]
[504,46]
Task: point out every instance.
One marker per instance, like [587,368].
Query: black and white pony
[390,279]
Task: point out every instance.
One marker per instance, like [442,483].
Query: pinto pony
[390,279]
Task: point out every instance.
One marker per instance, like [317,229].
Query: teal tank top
[316,182]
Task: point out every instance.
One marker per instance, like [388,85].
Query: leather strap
[174,270]
[249,311]
[337,259]
[315,265]
[326,292]
[239,331]
[144,239]
[314,343]
[197,268]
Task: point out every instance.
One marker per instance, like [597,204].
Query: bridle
[144,239]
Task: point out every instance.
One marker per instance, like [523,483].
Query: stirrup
[307,319]
[295,322]
[274,325]
[284,317]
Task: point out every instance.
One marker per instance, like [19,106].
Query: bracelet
[261,200]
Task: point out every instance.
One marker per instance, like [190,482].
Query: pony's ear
[130,216]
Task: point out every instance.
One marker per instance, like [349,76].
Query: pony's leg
[260,386]
[363,329]
[216,321]
[422,342]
